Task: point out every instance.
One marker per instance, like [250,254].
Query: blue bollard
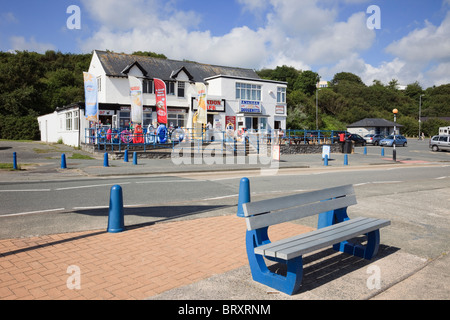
[346,160]
[115,217]
[63,161]
[382,152]
[244,195]
[365,150]
[105,160]
[325,161]
[134,158]
[125,156]
[15,161]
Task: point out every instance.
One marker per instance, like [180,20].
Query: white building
[236,97]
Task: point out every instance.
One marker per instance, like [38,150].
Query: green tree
[307,82]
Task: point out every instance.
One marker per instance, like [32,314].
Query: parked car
[440,142]
[357,139]
[389,141]
[373,138]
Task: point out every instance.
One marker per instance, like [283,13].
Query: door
[255,124]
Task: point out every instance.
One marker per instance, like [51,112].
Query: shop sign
[214,104]
[279,110]
[250,106]
[106,112]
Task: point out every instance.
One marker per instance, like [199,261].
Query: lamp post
[394,152]
[420,116]
[317,108]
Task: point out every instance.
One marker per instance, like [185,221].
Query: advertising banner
[137,113]
[161,102]
[250,106]
[90,96]
[201,98]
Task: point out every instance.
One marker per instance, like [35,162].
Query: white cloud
[424,45]
[21,44]
[302,34]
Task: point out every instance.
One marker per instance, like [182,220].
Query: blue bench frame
[257,237]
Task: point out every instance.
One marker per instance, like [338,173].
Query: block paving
[134,264]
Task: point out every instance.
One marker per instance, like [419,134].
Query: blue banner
[90,96]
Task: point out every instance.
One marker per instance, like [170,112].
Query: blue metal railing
[104,137]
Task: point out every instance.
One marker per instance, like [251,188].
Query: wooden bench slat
[254,208]
[302,244]
[271,218]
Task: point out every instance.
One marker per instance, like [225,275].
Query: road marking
[168,181]
[222,197]
[31,212]
[90,186]
[27,190]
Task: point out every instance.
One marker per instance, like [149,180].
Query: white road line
[168,181]
[27,190]
[222,197]
[31,212]
[90,186]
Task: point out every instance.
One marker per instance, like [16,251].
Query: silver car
[373,138]
[440,143]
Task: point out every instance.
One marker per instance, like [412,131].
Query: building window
[76,120]
[69,121]
[281,95]
[147,119]
[181,89]
[99,84]
[176,119]
[170,88]
[245,91]
[147,86]
[124,119]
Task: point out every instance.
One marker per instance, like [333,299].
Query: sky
[406,40]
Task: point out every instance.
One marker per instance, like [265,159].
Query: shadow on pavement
[327,265]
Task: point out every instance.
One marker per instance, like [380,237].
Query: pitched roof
[115,64]
[373,122]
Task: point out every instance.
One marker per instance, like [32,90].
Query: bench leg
[367,252]
[260,273]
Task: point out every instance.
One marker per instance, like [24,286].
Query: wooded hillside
[33,84]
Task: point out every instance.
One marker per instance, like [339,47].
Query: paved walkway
[134,264]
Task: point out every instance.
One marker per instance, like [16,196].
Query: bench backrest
[278,210]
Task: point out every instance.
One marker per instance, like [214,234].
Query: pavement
[188,259]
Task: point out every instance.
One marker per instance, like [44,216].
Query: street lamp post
[394,152]
[317,109]
[420,116]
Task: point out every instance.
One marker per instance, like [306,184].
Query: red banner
[161,102]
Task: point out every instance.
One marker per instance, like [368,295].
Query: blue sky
[326,36]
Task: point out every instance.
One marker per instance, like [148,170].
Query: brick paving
[134,264]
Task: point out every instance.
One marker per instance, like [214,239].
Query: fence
[119,139]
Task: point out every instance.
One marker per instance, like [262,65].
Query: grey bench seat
[293,247]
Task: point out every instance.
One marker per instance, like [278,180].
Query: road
[40,207]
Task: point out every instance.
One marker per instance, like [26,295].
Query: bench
[334,229]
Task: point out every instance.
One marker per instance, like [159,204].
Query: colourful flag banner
[137,113]
[201,98]
[161,102]
[90,96]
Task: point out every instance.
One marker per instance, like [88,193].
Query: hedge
[19,128]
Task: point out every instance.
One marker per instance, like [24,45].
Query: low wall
[310,148]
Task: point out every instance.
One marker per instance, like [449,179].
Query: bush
[19,128]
